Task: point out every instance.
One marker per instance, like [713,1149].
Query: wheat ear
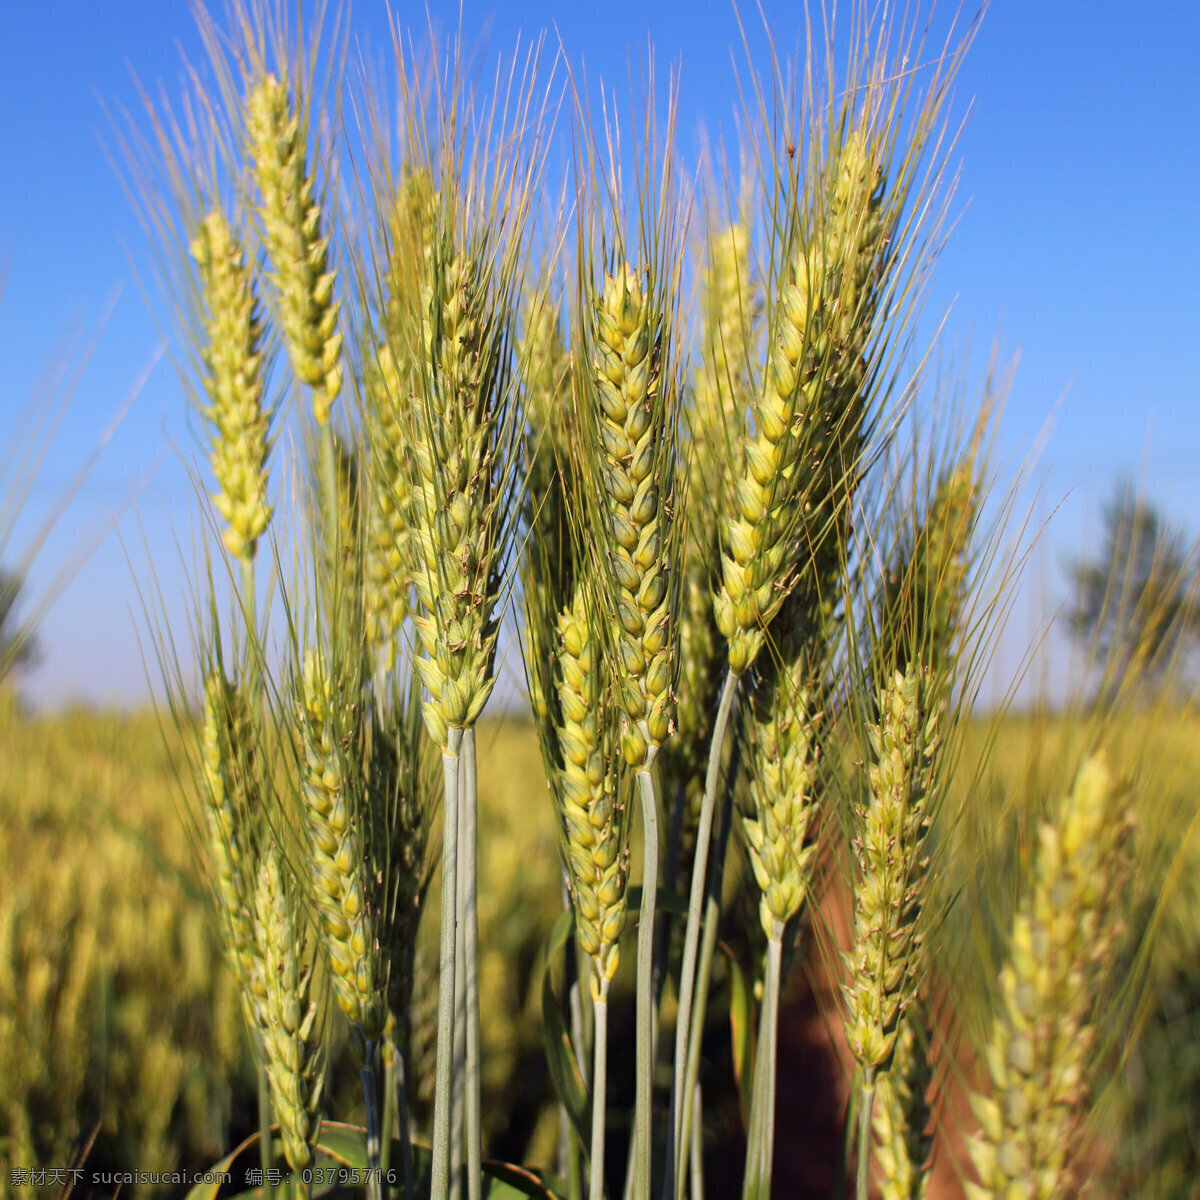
[631,415]
[234,360]
[298,246]
[902,1113]
[293,1051]
[226,774]
[890,883]
[392,381]
[336,845]
[781,754]
[1037,1055]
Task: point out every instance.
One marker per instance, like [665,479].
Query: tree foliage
[17,645]
[1134,604]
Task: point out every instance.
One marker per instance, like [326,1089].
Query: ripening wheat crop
[670,445]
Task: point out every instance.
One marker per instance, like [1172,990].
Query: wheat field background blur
[118,1013]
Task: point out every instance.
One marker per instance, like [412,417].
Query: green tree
[17,645]
[1134,605]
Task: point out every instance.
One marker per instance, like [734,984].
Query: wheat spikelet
[924,594]
[387,586]
[722,386]
[891,866]
[592,806]
[718,397]
[781,755]
[336,846]
[227,777]
[802,455]
[547,565]
[392,379]
[292,1047]
[234,360]
[458,449]
[634,457]
[902,1115]
[1037,1055]
[299,249]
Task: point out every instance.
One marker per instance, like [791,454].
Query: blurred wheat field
[116,1008]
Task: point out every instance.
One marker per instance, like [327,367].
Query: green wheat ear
[296,241]
[459,432]
[593,805]
[234,361]
[1038,1053]
[392,380]
[232,812]
[291,1039]
[891,824]
[781,754]
[902,1117]
[340,885]
[634,460]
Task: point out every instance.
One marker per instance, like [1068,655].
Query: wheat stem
[366,1076]
[599,1090]
[760,1142]
[866,1105]
[643,1138]
[469,856]
[672,1183]
[440,1185]
[401,1085]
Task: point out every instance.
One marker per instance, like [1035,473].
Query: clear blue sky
[1077,242]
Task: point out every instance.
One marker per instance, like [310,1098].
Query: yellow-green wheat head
[629,404]
[891,868]
[234,359]
[547,558]
[1039,1052]
[337,838]
[782,763]
[803,448]
[927,589]
[591,792]
[713,416]
[463,459]
[901,1120]
[296,235]
[391,380]
[233,819]
[291,1037]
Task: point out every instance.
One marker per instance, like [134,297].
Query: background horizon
[1074,239]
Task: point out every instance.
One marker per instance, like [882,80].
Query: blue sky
[1076,243]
